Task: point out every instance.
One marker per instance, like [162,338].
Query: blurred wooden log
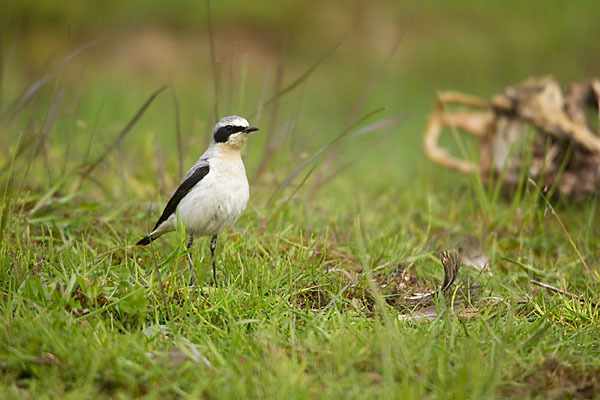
[565,151]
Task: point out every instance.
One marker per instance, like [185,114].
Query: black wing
[184,188]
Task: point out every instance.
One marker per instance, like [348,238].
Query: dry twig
[563,292]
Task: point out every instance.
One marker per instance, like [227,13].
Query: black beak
[251,129]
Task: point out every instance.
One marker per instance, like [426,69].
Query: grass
[313,274]
[82,319]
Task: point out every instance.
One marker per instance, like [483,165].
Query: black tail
[144,241]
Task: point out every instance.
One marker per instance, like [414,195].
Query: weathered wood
[565,150]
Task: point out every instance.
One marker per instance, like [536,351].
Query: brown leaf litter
[454,298]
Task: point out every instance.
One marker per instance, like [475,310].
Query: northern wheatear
[213,193]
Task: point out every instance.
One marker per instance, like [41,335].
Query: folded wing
[191,179]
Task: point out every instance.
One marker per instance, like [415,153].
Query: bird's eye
[229,128]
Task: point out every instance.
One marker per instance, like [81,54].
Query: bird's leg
[213,246]
[190,245]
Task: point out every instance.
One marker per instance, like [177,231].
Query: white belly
[217,201]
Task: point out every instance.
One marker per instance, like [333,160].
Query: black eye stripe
[223,133]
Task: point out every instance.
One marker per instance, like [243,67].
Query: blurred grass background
[284,324]
[474,47]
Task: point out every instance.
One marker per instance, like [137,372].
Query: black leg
[213,246]
[190,245]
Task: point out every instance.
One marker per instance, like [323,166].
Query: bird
[213,193]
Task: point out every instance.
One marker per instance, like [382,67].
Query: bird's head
[232,131]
